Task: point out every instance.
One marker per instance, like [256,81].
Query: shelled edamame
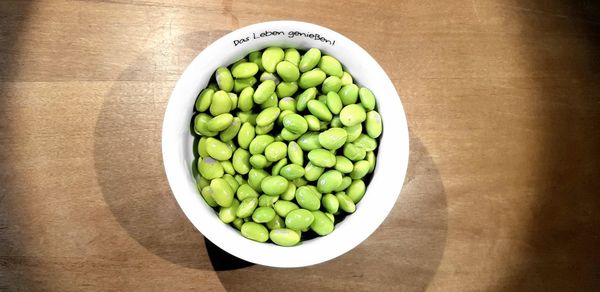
[286,144]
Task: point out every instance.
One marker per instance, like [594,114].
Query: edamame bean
[331,66]
[204,100]
[356,190]
[290,192]
[353,132]
[241,161]
[334,102]
[278,166]
[372,160]
[227,214]
[287,135]
[307,198]
[292,55]
[283,208]
[202,147]
[367,99]
[275,151]
[200,122]
[321,158]
[255,177]
[287,104]
[245,70]
[221,103]
[299,219]
[262,130]
[232,130]
[309,60]
[343,164]
[295,153]
[267,201]
[258,161]
[309,141]
[330,203]
[267,116]
[246,101]
[276,223]
[321,224]
[237,223]
[303,98]
[240,84]
[256,58]
[220,122]
[353,152]
[207,194]
[312,172]
[346,78]
[288,71]
[284,237]
[217,149]
[255,231]
[346,181]
[274,185]
[361,168]
[221,192]
[365,142]
[311,78]
[331,84]
[245,135]
[333,138]
[271,57]
[286,89]
[348,94]
[373,124]
[292,171]
[224,79]
[264,91]
[210,168]
[259,143]
[352,114]
[346,204]
[319,110]
[329,181]
[295,123]
[245,191]
[263,214]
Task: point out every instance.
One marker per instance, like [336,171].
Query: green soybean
[367,99]
[271,57]
[290,192]
[217,149]
[244,70]
[372,160]
[309,141]
[353,132]
[258,161]
[288,71]
[356,190]
[292,55]
[319,110]
[239,84]
[275,151]
[276,223]
[330,203]
[274,185]
[295,123]
[241,161]
[209,168]
[221,103]
[207,194]
[276,168]
[230,132]
[373,124]
[303,98]
[259,143]
[311,78]
[287,104]
[346,78]
[220,122]
[267,116]
[352,114]
[346,181]
[284,237]
[295,153]
[204,99]
[329,181]
[264,91]
[245,191]
[321,158]
[255,177]
[267,201]
[354,152]
[361,168]
[255,231]
[349,94]
[331,66]
[299,219]
[365,142]
[331,84]
[228,214]
[307,198]
[312,172]
[221,192]
[263,214]
[343,164]
[309,60]
[321,224]
[282,208]
[333,138]
[286,89]
[224,79]
[346,204]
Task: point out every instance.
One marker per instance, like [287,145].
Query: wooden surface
[502,99]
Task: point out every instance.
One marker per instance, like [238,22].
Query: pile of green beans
[286,143]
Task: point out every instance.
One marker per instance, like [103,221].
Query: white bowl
[392,158]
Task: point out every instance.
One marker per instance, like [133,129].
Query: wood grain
[503,103]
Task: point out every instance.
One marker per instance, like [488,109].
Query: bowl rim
[394,148]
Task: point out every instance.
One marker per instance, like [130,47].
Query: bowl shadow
[403,254]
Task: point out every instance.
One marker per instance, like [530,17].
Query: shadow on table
[561,248]
[15,267]
[402,255]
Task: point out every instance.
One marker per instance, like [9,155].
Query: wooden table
[502,99]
